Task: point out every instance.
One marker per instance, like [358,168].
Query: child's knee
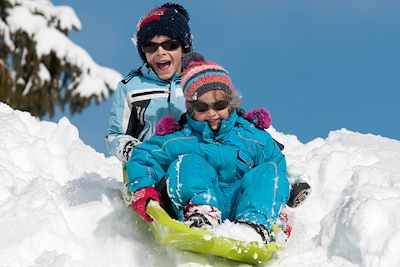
[189,176]
[190,165]
[269,177]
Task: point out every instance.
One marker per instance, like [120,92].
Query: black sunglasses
[202,107]
[169,45]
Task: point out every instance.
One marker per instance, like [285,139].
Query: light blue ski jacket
[241,170]
[139,102]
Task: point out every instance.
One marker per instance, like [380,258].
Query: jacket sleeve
[151,159]
[119,143]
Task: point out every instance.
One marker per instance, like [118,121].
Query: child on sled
[217,165]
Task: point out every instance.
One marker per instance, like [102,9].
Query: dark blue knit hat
[171,20]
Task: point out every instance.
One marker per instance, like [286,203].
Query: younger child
[218,166]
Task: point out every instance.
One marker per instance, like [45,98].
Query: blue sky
[316,65]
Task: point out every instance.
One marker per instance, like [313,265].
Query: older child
[218,166]
[152,91]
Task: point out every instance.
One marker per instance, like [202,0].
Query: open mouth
[213,122]
[163,65]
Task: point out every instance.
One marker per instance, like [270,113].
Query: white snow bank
[352,212]
[60,203]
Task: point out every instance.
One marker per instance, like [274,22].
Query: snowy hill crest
[60,204]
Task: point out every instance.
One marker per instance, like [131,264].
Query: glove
[124,149]
[140,198]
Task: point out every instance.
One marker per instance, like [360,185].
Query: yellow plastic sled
[179,235]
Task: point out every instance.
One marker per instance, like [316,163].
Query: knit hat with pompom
[201,76]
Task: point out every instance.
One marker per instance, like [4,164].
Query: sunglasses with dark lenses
[169,45]
[202,107]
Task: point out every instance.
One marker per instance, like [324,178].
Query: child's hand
[125,154]
[140,199]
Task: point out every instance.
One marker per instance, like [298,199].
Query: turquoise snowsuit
[241,171]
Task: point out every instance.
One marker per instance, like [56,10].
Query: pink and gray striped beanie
[201,76]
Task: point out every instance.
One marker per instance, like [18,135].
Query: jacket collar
[149,73]
[202,128]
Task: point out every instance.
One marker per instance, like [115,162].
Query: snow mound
[60,203]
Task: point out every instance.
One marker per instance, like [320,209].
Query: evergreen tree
[33,82]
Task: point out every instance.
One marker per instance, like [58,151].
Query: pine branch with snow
[41,68]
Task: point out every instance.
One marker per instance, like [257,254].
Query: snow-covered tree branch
[40,67]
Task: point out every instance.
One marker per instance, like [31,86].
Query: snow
[63,15]
[237,231]
[60,203]
[38,19]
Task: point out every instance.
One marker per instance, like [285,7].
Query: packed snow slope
[60,204]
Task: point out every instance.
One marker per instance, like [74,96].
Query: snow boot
[260,229]
[202,216]
[283,227]
[298,194]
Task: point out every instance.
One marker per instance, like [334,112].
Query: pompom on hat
[201,76]
[171,20]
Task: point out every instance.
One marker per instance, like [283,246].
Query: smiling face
[165,63]
[211,116]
